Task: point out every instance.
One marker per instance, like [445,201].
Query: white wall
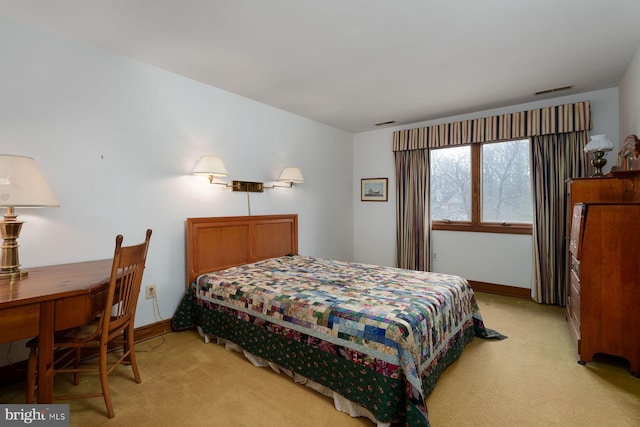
[485,257]
[630,98]
[116,139]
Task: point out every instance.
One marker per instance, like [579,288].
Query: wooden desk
[50,299]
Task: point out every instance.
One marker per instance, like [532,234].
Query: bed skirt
[340,402]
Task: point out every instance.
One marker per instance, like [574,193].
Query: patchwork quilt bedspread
[379,336]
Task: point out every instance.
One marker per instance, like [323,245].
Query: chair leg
[130,346]
[104,382]
[77,357]
[32,373]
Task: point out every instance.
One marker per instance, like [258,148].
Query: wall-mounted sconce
[213,166]
[290,176]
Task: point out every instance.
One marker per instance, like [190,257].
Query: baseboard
[147,332]
[16,372]
[509,291]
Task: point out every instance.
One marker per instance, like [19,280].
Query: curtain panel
[554,160]
[543,121]
[413,223]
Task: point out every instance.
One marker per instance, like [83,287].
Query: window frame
[475,225]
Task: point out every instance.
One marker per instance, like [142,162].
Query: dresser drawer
[575,238]
[20,322]
[575,270]
[574,300]
[71,312]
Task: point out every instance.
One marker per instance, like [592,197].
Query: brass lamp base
[598,162]
[9,261]
[13,275]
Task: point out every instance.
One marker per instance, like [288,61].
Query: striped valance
[544,121]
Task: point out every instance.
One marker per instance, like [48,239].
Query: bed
[374,338]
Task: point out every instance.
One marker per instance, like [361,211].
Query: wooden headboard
[221,242]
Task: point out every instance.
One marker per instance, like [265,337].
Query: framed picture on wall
[373,189]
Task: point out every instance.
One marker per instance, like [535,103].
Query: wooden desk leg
[45,352]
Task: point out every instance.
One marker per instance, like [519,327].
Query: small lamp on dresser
[598,147]
[21,186]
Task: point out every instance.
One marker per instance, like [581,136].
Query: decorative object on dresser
[629,155]
[604,278]
[21,186]
[598,147]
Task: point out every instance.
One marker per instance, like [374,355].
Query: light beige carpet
[529,379]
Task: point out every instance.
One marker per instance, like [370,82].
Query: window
[482,187]
[451,184]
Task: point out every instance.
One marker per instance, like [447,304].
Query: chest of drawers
[604,281]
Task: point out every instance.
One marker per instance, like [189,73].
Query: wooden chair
[114,321]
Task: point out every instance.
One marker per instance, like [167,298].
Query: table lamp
[21,186]
[598,147]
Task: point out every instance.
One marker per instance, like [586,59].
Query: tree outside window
[482,187]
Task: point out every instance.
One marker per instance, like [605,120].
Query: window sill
[483,228]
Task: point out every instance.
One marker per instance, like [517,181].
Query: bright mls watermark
[38,415]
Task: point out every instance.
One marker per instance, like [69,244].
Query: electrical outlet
[150,291]
[434,256]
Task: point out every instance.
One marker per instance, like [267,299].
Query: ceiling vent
[555,89]
[388,122]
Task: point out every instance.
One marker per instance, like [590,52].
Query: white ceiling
[353,63]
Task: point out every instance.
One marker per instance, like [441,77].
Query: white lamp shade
[293,175]
[598,143]
[209,165]
[22,184]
